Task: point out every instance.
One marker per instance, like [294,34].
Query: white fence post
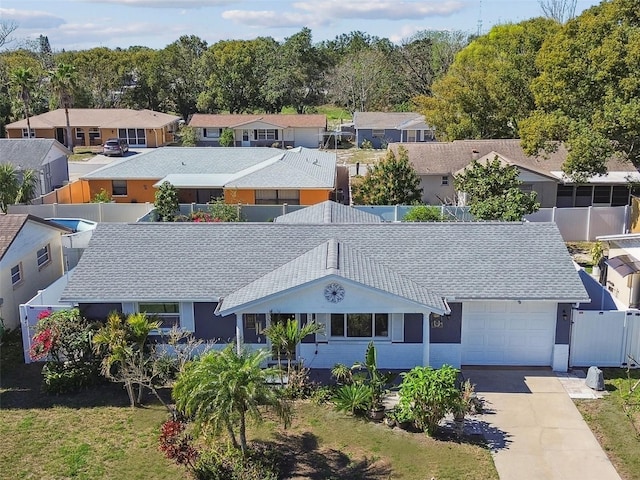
[588,226]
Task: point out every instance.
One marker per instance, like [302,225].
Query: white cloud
[165,3]
[269,18]
[381,9]
[405,32]
[31,19]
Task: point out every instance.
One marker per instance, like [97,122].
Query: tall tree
[486,92]
[391,181]
[222,390]
[492,191]
[63,84]
[24,80]
[588,93]
[559,10]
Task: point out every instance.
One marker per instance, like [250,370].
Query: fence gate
[28,319]
[604,339]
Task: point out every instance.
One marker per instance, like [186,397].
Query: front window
[168,314]
[94,133]
[119,187]
[43,256]
[277,197]
[79,134]
[25,133]
[16,275]
[266,134]
[360,325]
[445,180]
[212,132]
[377,133]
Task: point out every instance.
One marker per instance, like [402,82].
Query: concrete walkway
[533,428]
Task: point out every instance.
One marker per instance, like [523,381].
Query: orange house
[252,175]
[93,126]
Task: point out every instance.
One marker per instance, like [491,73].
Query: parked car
[115,146]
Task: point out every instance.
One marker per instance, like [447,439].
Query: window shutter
[276,134]
[321,319]
[255,134]
[204,132]
[397,327]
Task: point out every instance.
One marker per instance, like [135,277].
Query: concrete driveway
[533,428]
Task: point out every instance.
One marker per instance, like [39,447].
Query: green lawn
[615,421]
[95,435]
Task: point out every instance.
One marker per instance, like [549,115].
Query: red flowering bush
[42,344]
[176,445]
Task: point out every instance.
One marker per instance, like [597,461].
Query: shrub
[423,213]
[322,395]
[226,138]
[428,395]
[261,462]
[101,197]
[366,145]
[354,398]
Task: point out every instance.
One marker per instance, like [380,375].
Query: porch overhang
[624,265]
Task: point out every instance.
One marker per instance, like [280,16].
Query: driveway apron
[534,429]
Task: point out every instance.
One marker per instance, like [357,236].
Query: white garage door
[508,333]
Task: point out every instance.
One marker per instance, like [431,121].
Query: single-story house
[383,128]
[437,162]
[261,130]
[47,157]
[93,126]
[426,293]
[31,259]
[252,175]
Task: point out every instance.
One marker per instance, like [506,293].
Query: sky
[85,24]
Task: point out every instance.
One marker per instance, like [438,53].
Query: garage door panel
[508,333]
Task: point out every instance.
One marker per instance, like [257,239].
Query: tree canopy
[492,191]
[588,90]
[391,181]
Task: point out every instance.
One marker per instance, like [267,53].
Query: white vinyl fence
[604,339]
[575,224]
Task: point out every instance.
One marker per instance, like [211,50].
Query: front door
[60,135]
[245,138]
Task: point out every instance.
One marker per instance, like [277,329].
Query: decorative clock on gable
[334,292]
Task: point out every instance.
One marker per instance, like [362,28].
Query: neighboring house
[46,156]
[383,128]
[262,176]
[426,293]
[328,212]
[93,126]
[30,260]
[261,130]
[437,162]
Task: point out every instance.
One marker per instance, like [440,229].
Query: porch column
[238,332]
[425,338]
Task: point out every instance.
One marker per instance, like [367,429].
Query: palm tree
[25,81]
[223,389]
[63,84]
[286,336]
[13,188]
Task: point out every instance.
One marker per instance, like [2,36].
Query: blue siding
[563,327]
[213,327]
[413,328]
[449,329]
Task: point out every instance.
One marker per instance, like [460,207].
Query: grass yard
[95,435]
[615,421]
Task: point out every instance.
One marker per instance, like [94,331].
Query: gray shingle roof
[333,258]
[390,120]
[202,262]
[282,120]
[28,153]
[328,212]
[246,167]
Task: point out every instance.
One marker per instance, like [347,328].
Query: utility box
[595,379]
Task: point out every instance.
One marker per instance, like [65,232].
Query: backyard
[94,434]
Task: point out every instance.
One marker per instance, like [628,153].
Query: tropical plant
[342,374]
[224,389]
[24,79]
[63,81]
[166,202]
[16,186]
[428,395]
[376,379]
[188,136]
[121,342]
[597,253]
[354,398]
[285,336]
[224,212]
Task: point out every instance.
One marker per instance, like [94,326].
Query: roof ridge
[333,254]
